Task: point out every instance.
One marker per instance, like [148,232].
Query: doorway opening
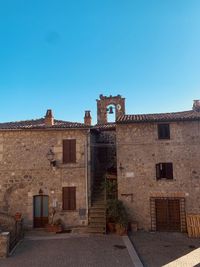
[168,214]
[40,211]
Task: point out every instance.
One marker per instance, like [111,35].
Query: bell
[111,110]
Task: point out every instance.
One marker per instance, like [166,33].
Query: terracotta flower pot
[18,216]
[133,226]
[53,228]
[111,227]
[120,230]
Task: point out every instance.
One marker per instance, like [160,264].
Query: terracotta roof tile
[107,126]
[189,115]
[40,124]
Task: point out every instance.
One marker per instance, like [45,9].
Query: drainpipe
[87,171]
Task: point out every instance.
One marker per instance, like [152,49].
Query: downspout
[87,171]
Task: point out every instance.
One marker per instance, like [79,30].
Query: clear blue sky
[62,54]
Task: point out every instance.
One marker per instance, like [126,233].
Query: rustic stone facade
[31,163]
[25,172]
[138,152]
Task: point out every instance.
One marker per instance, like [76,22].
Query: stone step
[97,215]
[98,191]
[100,230]
[97,219]
[97,209]
[98,196]
[97,225]
[99,205]
[98,202]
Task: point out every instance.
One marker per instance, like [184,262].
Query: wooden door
[41,211]
[168,215]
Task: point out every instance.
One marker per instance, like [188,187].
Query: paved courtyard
[75,251]
[167,249]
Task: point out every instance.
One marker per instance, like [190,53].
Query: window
[163,131]
[69,198]
[164,170]
[69,151]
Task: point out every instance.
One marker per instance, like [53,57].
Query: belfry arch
[102,107]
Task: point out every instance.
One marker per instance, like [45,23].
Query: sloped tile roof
[40,124]
[104,127]
[189,115]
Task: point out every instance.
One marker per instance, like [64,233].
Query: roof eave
[157,121]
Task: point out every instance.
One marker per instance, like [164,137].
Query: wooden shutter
[69,151]
[73,150]
[66,149]
[65,198]
[169,170]
[158,171]
[72,197]
[69,198]
[164,170]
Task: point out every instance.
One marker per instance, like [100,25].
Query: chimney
[49,119]
[196,105]
[87,118]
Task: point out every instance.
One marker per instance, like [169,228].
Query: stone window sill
[66,165]
[165,180]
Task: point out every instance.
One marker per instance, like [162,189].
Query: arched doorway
[40,210]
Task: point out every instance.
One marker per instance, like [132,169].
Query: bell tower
[106,104]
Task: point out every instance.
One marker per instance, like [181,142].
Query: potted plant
[117,217]
[110,186]
[122,219]
[54,226]
[111,214]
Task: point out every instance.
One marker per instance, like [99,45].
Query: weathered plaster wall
[138,150]
[24,170]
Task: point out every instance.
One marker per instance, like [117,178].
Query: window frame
[164,170]
[163,131]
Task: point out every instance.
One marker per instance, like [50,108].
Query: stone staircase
[97,211]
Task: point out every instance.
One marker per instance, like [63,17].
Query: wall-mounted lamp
[51,157]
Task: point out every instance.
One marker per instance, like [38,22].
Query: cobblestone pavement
[167,249]
[91,251]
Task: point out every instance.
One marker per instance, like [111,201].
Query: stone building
[49,164]
[44,167]
[158,158]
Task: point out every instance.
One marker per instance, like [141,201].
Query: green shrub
[116,212]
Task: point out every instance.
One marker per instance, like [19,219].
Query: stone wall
[4,244]
[25,170]
[139,149]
